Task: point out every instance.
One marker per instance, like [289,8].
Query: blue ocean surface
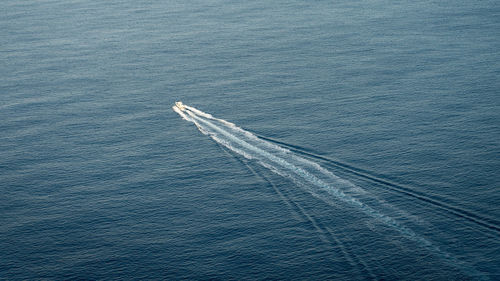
[323,140]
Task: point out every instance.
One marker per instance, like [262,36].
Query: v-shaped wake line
[307,174]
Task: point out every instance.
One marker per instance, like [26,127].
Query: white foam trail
[318,181]
[296,173]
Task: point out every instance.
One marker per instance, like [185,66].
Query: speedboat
[180,105]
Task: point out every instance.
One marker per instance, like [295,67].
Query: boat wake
[310,176]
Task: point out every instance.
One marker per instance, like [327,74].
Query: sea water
[341,140]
